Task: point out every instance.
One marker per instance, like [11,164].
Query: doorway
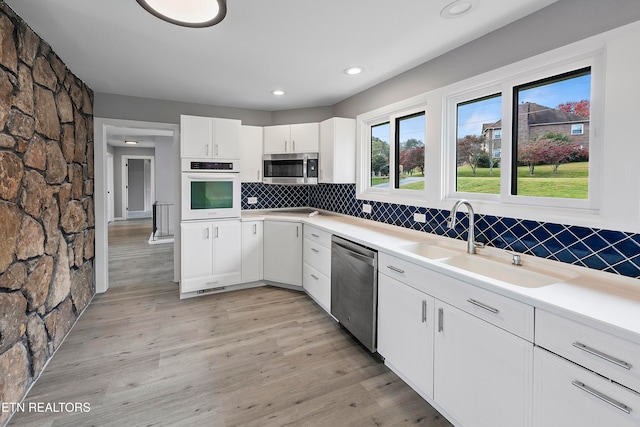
[138,186]
[166,138]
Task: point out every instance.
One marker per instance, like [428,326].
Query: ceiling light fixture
[277,92]
[191,13]
[352,71]
[131,142]
[458,8]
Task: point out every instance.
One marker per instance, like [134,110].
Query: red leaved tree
[581,108]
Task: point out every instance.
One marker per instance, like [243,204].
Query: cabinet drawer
[567,395]
[210,282]
[316,235]
[318,256]
[400,269]
[317,285]
[503,312]
[608,355]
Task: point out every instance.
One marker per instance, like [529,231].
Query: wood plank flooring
[259,357]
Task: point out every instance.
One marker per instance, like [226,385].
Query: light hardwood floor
[259,357]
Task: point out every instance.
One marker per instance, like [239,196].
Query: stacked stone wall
[47,234]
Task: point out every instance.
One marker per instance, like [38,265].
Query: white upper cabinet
[209,138]
[297,138]
[337,151]
[251,153]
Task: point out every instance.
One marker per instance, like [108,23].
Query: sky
[472,116]
[413,127]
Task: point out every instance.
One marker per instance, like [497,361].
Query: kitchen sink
[429,250]
[505,272]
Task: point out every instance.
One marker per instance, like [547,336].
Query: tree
[550,148]
[581,108]
[470,149]
[379,155]
[529,153]
[557,149]
[413,158]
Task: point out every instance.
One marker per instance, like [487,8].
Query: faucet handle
[516,260]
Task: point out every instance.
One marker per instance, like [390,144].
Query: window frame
[365,122]
[595,61]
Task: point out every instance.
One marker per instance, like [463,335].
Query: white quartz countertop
[601,300]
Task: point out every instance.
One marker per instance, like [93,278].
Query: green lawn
[570,182]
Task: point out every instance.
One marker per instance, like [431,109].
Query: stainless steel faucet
[451,223]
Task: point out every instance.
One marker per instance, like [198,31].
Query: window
[577,129]
[410,136]
[549,159]
[380,155]
[392,141]
[477,167]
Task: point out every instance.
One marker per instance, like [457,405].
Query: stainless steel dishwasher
[354,289]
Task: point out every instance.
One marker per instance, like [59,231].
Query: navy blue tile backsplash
[612,251]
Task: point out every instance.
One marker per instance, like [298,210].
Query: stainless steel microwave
[292,168]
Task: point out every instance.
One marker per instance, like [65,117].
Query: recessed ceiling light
[352,71]
[131,142]
[277,92]
[458,8]
[193,13]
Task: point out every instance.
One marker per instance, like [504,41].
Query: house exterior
[535,120]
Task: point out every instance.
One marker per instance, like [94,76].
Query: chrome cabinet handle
[258,175]
[216,232]
[621,406]
[215,150]
[285,145]
[440,319]
[424,311]
[293,145]
[315,235]
[206,150]
[602,355]
[207,234]
[315,277]
[255,229]
[315,250]
[483,306]
[297,231]
[396,269]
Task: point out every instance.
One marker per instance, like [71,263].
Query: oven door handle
[212,176]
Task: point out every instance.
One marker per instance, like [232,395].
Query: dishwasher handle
[347,248]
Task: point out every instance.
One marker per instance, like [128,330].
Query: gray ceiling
[299,46]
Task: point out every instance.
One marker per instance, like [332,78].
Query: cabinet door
[226,138]
[252,233]
[277,139]
[405,332]
[305,138]
[251,154]
[567,395]
[283,252]
[337,151]
[227,256]
[482,374]
[196,249]
[196,136]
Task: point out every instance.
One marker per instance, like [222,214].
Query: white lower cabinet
[210,254]
[482,374]
[252,251]
[567,395]
[405,332]
[316,266]
[283,252]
